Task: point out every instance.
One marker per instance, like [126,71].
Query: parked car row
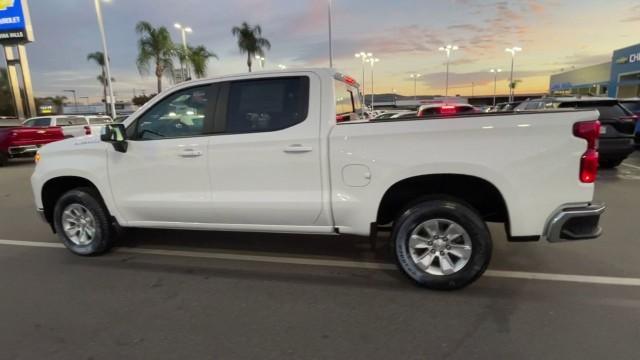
[25,140]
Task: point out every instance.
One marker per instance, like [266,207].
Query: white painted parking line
[631,166]
[604,280]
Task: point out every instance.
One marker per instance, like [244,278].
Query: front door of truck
[265,168]
[163,176]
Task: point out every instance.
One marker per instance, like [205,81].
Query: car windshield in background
[100,121]
[607,109]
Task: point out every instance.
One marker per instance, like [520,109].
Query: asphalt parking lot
[196,295]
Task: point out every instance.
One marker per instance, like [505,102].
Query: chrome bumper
[23,150]
[575,222]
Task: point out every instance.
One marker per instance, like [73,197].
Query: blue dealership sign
[14,22]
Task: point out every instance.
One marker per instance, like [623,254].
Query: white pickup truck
[287,152]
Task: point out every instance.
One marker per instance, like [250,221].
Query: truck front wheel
[82,222]
[442,244]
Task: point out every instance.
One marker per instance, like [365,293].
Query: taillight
[448,110]
[87,130]
[342,118]
[590,131]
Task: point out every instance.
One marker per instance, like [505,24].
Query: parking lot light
[495,82]
[261,60]
[183,33]
[363,56]
[415,86]
[372,61]
[512,51]
[107,60]
[449,49]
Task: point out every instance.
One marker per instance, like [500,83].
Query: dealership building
[618,78]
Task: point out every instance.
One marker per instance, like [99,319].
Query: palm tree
[250,41]
[198,57]
[98,58]
[155,45]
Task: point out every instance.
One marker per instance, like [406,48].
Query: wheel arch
[480,193]
[55,187]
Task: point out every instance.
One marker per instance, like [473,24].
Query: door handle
[187,153]
[297,148]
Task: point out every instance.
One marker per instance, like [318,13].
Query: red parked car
[18,142]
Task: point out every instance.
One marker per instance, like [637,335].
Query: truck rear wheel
[442,244]
[82,222]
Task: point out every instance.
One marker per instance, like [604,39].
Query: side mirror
[115,134]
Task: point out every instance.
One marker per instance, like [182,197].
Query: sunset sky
[404,34]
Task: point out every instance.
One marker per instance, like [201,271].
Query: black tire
[449,209]
[4,159]
[89,199]
[610,163]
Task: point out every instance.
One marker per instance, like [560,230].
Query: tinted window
[37,122]
[71,121]
[267,104]
[533,105]
[100,121]
[633,106]
[607,109]
[181,114]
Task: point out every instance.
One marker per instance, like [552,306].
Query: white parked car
[287,152]
[72,125]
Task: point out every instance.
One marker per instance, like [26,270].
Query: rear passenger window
[71,121]
[267,104]
[533,105]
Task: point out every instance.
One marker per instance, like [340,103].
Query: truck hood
[72,144]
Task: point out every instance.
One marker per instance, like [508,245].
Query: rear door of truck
[265,162]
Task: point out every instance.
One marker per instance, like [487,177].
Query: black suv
[618,123]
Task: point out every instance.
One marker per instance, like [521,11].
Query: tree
[141,99]
[98,58]
[250,41]
[198,57]
[155,46]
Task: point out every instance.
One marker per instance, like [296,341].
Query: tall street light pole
[448,50]
[183,32]
[75,99]
[329,8]
[513,52]
[107,60]
[415,85]
[372,61]
[363,56]
[261,60]
[495,83]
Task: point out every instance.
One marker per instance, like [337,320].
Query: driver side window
[181,114]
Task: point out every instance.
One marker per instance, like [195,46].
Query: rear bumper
[575,222]
[615,148]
